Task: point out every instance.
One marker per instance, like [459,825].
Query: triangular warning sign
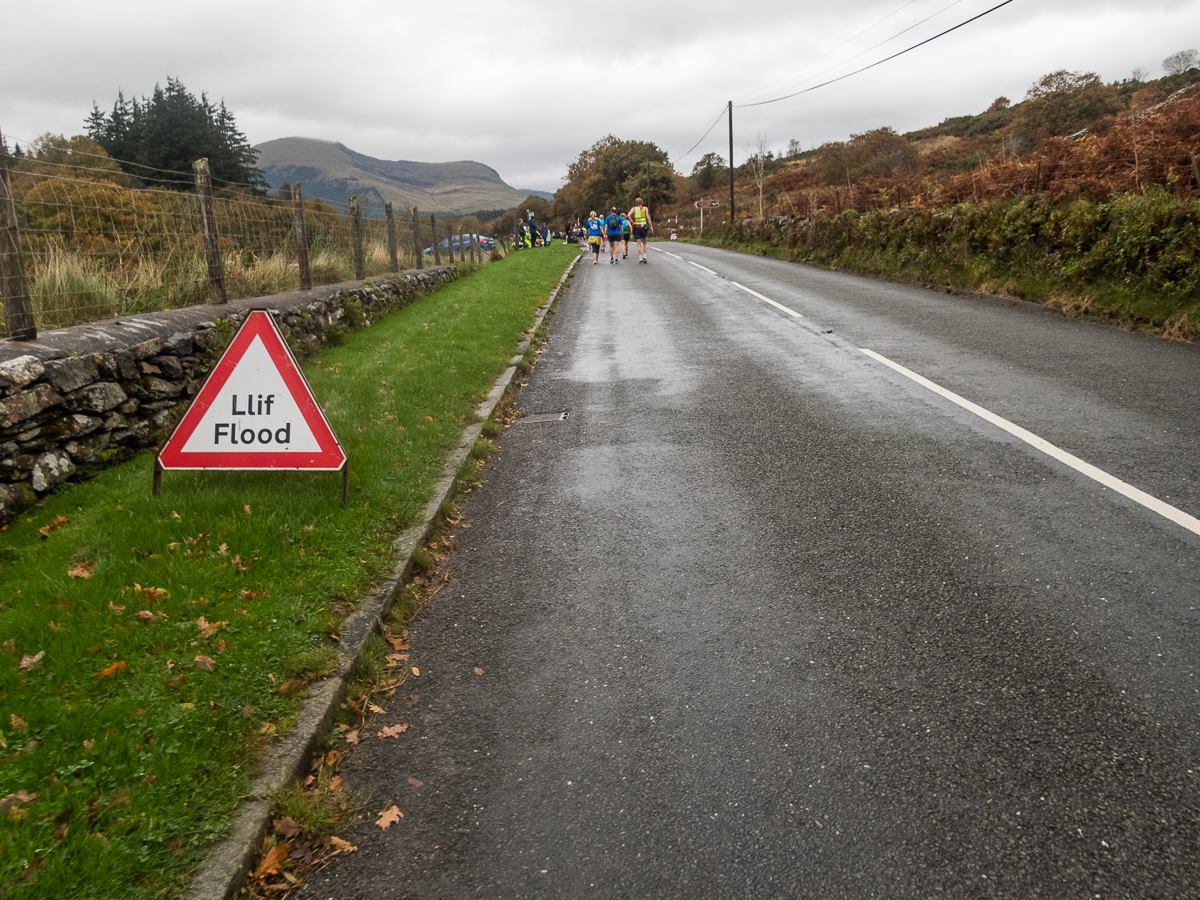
[255,411]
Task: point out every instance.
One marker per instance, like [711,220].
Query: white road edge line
[698,266]
[779,306]
[1166,510]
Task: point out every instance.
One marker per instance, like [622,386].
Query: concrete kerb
[224,872]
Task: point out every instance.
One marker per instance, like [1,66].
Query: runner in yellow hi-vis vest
[640,216]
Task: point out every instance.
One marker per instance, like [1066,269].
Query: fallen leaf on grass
[31,662]
[353,737]
[57,523]
[208,629]
[114,609]
[115,669]
[389,817]
[340,846]
[17,722]
[292,684]
[144,616]
[393,731]
[81,570]
[206,663]
[29,876]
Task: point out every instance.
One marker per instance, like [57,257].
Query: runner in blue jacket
[613,226]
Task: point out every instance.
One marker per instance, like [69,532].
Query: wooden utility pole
[301,237]
[208,224]
[437,254]
[417,240]
[391,235]
[14,287]
[356,237]
[732,208]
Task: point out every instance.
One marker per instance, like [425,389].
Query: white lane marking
[698,266]
[670,254]
[1166,510]
[779,306]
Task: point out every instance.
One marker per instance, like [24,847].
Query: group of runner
[615,229]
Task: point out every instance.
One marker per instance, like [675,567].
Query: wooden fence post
[417,239]
[301,237]
[14,288]
[208,224]
[471,242]
[391,231]
[356,237]
[437,254]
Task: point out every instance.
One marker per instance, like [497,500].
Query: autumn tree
[1063,102]
[78,158]
[613,172]
[879,153]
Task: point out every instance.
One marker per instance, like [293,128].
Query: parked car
[482,242]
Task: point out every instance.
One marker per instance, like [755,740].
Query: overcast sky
[525,86]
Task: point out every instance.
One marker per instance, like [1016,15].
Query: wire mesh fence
[81,244]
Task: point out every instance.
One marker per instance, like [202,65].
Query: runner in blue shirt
[613,226]
[595,232]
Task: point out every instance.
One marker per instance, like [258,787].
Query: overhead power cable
[874,64]
[684,155]
[835,49]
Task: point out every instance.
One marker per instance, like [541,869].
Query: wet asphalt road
[763,618]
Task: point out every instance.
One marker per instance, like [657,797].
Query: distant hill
[545,195]
[335,173]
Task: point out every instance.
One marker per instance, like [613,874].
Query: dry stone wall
[80,399]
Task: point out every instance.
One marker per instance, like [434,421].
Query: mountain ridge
[334,172]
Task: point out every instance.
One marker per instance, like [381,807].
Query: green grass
[136,746]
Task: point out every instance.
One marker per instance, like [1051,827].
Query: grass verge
[151,648]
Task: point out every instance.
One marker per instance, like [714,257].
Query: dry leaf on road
[393,731]
[341,846]
[389,817]
[287,827]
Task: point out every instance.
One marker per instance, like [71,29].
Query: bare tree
[758,166]
[1178,63]
[793,148]
[1139,75]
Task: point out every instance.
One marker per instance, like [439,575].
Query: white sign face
[253,413]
